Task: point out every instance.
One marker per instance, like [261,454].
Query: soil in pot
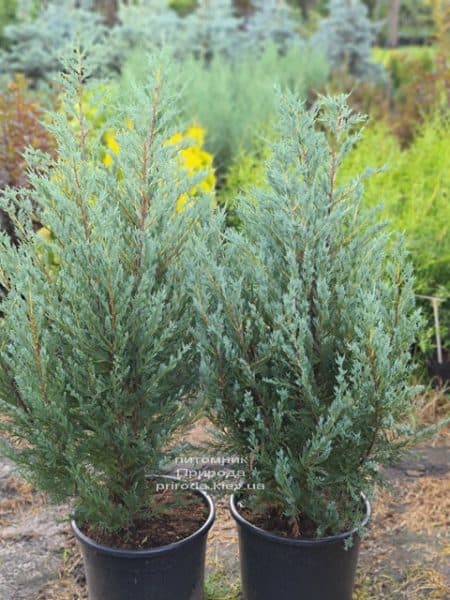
[175,515]
[272,522]
[162,558]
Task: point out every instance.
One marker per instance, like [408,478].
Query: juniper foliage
[96,361]
[236,101]
[306,319]
[34,46]
[147,24]
[214,29]
[347,36]
[273,22]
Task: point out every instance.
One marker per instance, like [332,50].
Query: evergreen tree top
[273,21]
[347,36]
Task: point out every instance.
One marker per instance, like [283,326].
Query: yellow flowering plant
[195,162]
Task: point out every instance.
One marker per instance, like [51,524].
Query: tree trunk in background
[394,13]
[108,8]
[306,6]
[244,7]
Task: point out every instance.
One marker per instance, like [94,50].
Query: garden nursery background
[230,59]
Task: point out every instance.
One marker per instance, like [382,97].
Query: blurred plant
[146,24]
[403,22]
[206,29]
[20,128]
[441,18]
[233,101]
[214,29]
[7,15]
[183,7]
[194,161]
[415,193]
[347,36]
[415,23]
[210,28]
[273,22]
[28,9]
[401,63]
[245,172]
[34,46]
[370,97]
[428,88]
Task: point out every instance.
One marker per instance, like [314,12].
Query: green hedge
[415,193]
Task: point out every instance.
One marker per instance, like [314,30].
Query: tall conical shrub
[306,322]
[97,367]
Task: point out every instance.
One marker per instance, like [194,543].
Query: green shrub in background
[35,46]
[246,171]
[400,62]
[212,29]
[234,101]
[347,36]
[183,6]
[273,22]
[415,192]
[207,30]
[415,21]
[146,24]
[422,82]
[7,15]
[415,24]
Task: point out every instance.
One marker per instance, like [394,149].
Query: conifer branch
[37,347]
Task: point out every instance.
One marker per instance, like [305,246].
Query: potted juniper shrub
[97,368]
[306,318]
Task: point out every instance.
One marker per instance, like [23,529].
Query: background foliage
[417,205]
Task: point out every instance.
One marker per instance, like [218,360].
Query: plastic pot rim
[289,541]
[149,552]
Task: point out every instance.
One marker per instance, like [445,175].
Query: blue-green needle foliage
[96,360]
[34,46]
[347,36]
[306,320]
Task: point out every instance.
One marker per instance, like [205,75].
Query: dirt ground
[406,555]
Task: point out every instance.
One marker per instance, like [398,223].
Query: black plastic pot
[278,568]
[439,372]
[172,572]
